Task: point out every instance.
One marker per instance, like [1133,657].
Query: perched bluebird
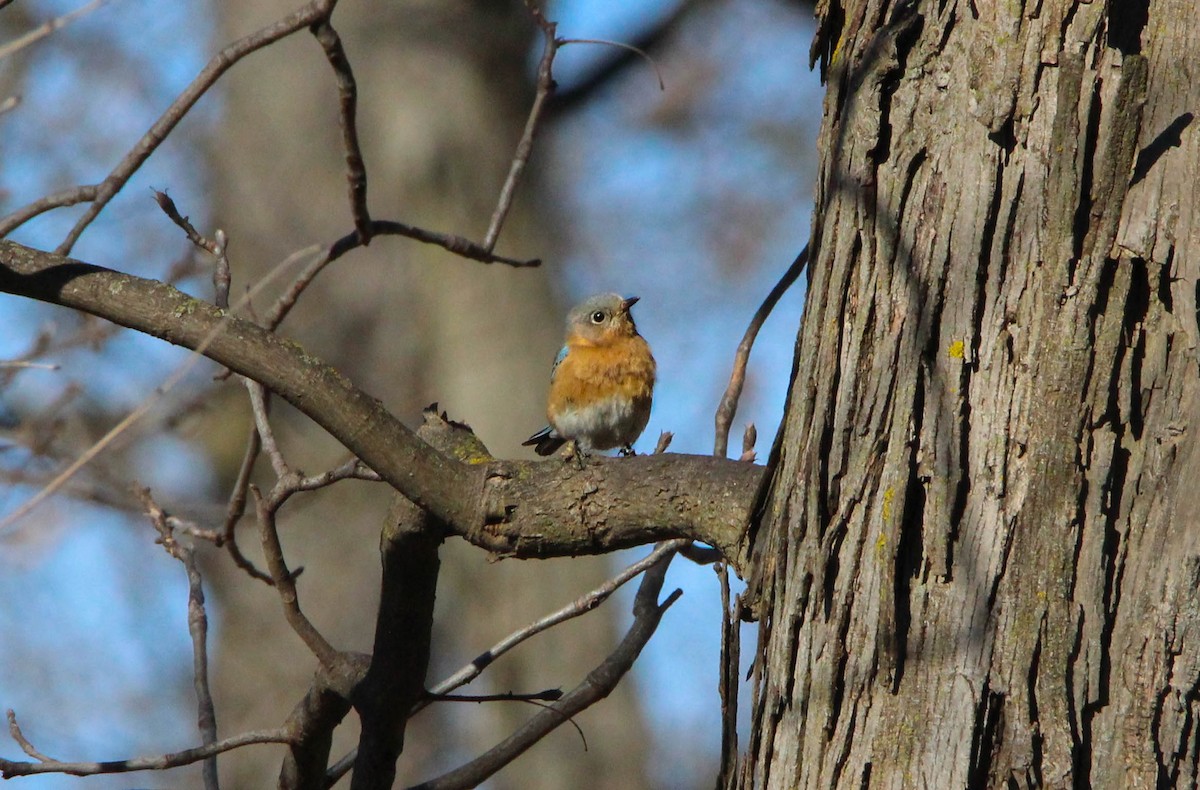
[602,381]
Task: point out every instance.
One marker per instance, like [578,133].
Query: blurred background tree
[632,189]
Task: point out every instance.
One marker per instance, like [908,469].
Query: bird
[602,381]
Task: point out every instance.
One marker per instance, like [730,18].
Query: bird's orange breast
[621,368]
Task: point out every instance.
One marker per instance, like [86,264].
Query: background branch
[599,684]
[197,628]
[11,768]
[737,378]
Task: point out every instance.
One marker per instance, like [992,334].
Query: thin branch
[102,193]
[599,683]
[236,508]
[11,768]
[169,208]
[749,439]
[215,247]
[662,85]
[353,469]
[646,41]
[14,730]
[356,170]
[197,628]
[285,583]
[457,245]
[545,87]
[737,378]
[46,28]
[60,199]
[262,422]
[727,685]
[22,363]
[548,695]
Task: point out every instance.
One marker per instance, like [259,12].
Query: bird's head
[601,319]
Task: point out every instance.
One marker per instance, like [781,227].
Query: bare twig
[599,683]
[222,276]
[46,28]
[216,247]
[14,730]
[545,87]
[646,41]
[21,363]
[236,508]
[45,765]
[60,199]
[285,583]
[356,171]
[353,469]
[749,439]
[664,441]
[737,378]
[100,194]
[728,683]
[457,245]
[169,208]
[548,695]
[197,628]
[258,404]
[662,85]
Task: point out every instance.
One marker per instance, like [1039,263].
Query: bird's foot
[627,451]
[572,452]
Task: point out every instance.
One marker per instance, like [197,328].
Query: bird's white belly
[603,425]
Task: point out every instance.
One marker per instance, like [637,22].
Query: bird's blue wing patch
[562,354]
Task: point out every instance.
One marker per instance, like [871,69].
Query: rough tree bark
[980,549]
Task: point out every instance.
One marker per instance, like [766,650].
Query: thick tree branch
[512,508]
[313,721]
[395,681]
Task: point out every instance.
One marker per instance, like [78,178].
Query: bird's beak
[630,302]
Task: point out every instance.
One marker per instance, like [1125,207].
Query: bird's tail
[545,441]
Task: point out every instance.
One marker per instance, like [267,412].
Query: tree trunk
[980,553]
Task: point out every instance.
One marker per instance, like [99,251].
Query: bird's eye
[598,317]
